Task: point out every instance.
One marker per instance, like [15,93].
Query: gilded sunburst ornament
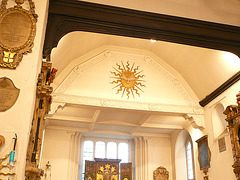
[129,80]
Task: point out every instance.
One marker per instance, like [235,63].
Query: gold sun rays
[128,80]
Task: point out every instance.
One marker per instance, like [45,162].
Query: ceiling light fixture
[153,40]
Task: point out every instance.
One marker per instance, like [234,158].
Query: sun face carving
[128,79]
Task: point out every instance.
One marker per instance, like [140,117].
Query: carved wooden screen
[102,169]
[90,170]
[126,171]
[107,170]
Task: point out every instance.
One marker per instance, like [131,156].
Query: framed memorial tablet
[204,154]
[8,94]
[17,32]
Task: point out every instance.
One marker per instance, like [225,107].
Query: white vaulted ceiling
[203,69]
[177,77]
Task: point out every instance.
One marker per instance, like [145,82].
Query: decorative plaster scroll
[55,106]
[124,55]
[197,120]
[129,56]
[79,69]
[62,98]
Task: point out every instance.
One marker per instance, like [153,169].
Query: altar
[107,169]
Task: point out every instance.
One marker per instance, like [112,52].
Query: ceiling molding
[69,118]
[73,74]
[94,119]
[197,121]
[55,107]
[163,108]
[141,121]
[162,126]
[66,16]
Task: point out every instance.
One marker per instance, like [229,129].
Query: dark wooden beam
[235,78]
[72,15]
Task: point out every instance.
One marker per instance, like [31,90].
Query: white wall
[56,148]
[159,154]
[221,163]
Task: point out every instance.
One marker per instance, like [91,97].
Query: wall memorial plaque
[204,154]
[8,94]
[222,144]
[17,32]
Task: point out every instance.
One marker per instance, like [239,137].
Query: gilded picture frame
[17,33]
[204,154]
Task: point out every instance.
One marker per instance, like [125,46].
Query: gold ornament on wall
[129,80]
[17,32]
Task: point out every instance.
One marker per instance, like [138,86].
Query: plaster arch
[218,120]
[180,155]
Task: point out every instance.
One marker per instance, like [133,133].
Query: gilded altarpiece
[126,171]
[233,119]
[107,169]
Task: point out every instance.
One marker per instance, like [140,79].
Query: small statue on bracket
[50,76]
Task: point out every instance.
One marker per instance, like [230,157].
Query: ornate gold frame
[17,32]
[42,107]
[162,172]
[233,119]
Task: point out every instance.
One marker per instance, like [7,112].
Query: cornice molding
[78,70]
[90,101]
[197,121]
[55,106]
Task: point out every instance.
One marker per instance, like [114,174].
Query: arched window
[189,158]
[218,121]
[123,152]
[100,149]
[87,154]
[112,150]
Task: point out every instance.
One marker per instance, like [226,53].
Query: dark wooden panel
[71,15]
